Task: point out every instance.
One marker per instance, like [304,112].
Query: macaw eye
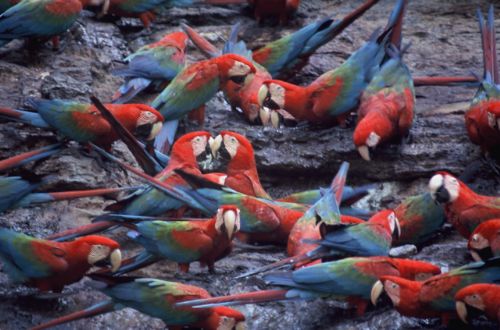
[394,285]
[238,79]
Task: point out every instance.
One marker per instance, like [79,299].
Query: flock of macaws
[206,192]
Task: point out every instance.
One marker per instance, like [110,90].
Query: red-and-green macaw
[194,86]
[386,109]
[435,297]
[420,217]
[181,240]
[332,96]
[349,279]
[482,120]
[84,123]
[156,298]
[483,297]
[48,265]
[484,242]
[39,19]
[154,65]
[465,209]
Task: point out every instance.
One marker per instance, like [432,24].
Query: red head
[387,218]
[277,94]
[236,149]
[147,121]
[403,293]
[235,68]
[415,270]
[229,318]
[445,188]
[227,220]
[484,238]
[98,249]
[191,149]
[373,129]
[478,296]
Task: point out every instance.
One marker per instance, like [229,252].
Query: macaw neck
[297,100]
[466,198]
[242,162]
[77,252]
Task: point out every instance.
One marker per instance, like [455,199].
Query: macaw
[84,123]
[181,240]
[156,298]
[434,297]
[244,97]
[464,209]
[348,279]
[386,109]
[16,192]
[6,4]
[241,170]
[152,65]
[194,86]
[420,217]
[482,120]
[40,19]
[29,156]
[332,96]
[49,266]
[262,220]
[484,243]
[371,238]
[483,297]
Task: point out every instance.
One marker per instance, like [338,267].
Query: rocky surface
[444,41]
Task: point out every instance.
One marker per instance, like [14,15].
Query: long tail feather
[469,81]
[148,163]
[339,180]
[165,138]
[207,48]
[98,309]
[29,156]
[27,117]
[291,261]
[73,233]
[130,89]
[137,262]
[57,196]
[489,46]
[238,299]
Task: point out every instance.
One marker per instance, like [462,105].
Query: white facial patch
[226,323]
[98,253]
[393,291]
[231,144]
[475,301]
[478,242]
[239,69]
[452,186]
[435,183]
[146,117]
[199,144]
[277,94]
[219,220]
[372,140]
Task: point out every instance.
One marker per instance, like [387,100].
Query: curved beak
[364,152]
[261,96]
[461,310]
[442,195]
[475,255]
[230,223]
[264,115]
[215,144]
[115,260]
[155,130]
[397,231]
[275,119]
[377,290]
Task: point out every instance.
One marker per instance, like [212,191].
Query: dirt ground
[444,41]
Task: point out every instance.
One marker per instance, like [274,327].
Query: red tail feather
[83,193]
